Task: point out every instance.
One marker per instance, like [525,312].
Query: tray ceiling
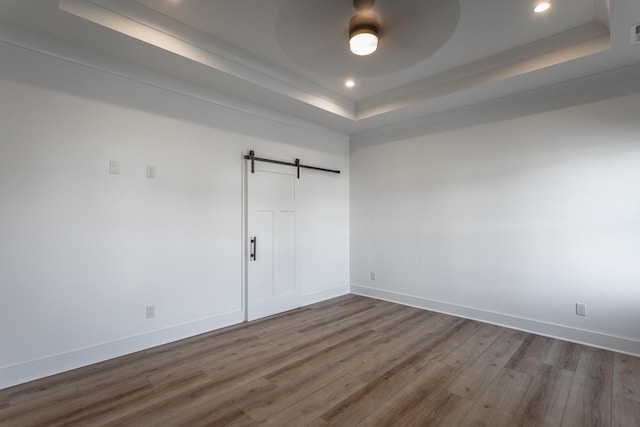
[292,56]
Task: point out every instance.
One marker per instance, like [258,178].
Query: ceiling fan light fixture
[363,41]
[364,30]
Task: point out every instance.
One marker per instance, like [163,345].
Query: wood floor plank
[201,405]
[159,396]
[269,360]
[296,381]
[42,386]
[306,409]
[531,354]
[366,401]
[589,403]
[347,361]
[596,363]
[152,363]
[418,404]
[243,421]
[564,355]
[443,347]
[218,363]
[383,325]
[77,410]
[368,319]
[324,314]
[476,344]
[439,409]
[56,398]
[319,362]
[626,376]
[486,416]
[46,396]
[473,380]
[369,401]
[334,320]
[506,392]
[396,346]
[545,400]
[626,412]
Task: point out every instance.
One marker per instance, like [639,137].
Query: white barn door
[271,225]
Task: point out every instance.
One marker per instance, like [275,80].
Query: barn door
[271,220]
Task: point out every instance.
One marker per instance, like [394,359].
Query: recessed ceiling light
[542,7]
[349,83]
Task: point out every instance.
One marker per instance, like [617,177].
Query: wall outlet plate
[581,309]
[114,167]
[372,275]
[635,34]
[151,311]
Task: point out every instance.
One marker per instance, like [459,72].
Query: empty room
[320,213]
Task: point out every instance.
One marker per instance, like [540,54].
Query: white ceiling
[309,37]
[292,56]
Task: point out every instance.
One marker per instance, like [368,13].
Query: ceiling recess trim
[26,40]
[576,43]
[584,50]
[132,20]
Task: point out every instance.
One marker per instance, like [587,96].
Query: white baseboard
[40,368]
[566,333]
[325,295]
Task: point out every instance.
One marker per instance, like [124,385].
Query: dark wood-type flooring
[347,361]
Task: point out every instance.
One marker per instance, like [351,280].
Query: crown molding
[155,29]
[576,43]
[36,43]
[609,84]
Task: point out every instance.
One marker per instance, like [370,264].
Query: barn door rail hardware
[252,156]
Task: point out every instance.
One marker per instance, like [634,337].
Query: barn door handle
[254,244]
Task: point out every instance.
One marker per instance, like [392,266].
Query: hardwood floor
[348,361]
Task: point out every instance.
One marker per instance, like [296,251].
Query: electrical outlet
[151,171]
[151,311]
[635,34]
[372,275]
[581,309]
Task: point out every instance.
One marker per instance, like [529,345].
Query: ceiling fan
[364,29]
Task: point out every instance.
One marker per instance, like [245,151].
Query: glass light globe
[363,43]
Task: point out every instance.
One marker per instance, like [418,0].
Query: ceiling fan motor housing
[363,5]
[364,22]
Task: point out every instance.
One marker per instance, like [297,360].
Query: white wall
[82,252]
[510,222]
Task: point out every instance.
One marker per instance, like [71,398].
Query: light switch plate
[114,167]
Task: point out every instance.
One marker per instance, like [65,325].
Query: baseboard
[566,333]
[325,295]
[40,368]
